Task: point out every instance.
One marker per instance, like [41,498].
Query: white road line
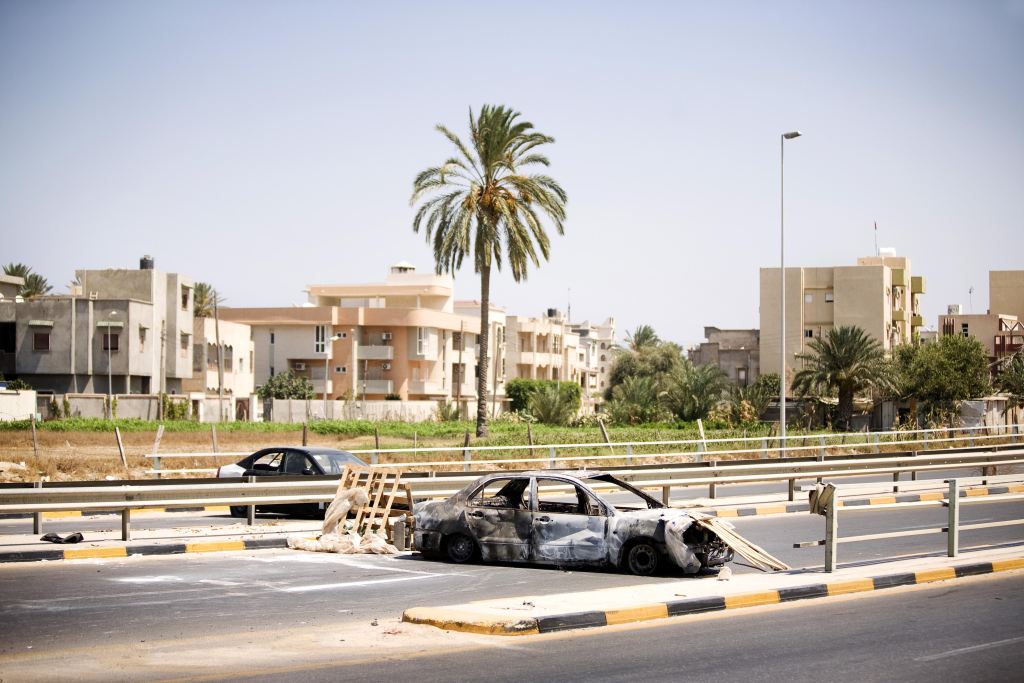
[968,650]
[356,584]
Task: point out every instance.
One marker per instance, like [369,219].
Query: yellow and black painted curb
[151,549]
[73,514]
[782,508]
[464,619]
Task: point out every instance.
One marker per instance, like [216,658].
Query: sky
[263,146]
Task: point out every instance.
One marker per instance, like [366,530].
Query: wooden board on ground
[382,486]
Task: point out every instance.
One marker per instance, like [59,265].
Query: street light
[782,278]
[110,373]
[327,369]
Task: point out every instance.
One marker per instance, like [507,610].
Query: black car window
[555,495]
[501,493]
[268,462]
[294,463]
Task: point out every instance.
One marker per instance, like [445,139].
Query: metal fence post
[37,517]
[551,457]
[831,535]
[700,453]
[712,487]
[764,448]
[821,448]
[926,440]
[629,454]
[1013,434]
[126,524]
[953,535]
[250,513]
[877,447]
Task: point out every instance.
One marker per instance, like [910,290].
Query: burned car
[547,517]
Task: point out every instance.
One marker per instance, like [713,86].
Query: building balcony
[917,320]
[899,315]
[427,388]
[899,278]
[376,386]
[376,352]
[918,285]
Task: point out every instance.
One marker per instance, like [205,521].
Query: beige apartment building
[879,294]
[396,338]
[595,357]
[466,343]
[1001,329]
[238,350]
[736,352]
[544,347]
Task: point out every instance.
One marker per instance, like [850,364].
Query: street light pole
[327,366]
[782,280]
[110,372]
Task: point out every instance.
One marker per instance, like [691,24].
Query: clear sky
[262,146]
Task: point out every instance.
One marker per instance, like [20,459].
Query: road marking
[968,650]
[357,584]
[149,579]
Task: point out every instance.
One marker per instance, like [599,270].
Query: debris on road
[56,538]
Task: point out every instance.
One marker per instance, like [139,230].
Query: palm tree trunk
[485,324]
[845,409]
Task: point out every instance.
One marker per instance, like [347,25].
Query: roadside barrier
[953,499]
[554,456]
[38,499]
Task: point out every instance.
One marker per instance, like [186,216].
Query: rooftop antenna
[568,306]
[877,253]
[970,299]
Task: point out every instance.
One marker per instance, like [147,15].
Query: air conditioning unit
[299,366]
[386,366]
[386,336]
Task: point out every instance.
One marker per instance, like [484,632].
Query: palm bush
[550,405]
[636,401]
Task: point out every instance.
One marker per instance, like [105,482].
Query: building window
[741,376]
[556,344]
[341,369]
[111,342]
[809,333]
[184,346]
[457,341]
[41,341]
[184,298]
[602,358]
[142,338]
[320,339]
[964,330]
[808,298]
[829,297]
[421,341]
[271,336]
[271,370]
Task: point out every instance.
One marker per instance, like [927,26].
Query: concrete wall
[288,410]
[17,405]
[1006,292]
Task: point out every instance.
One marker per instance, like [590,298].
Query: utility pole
[220,359]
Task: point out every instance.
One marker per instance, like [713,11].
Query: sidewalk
[269,533]
[533,614]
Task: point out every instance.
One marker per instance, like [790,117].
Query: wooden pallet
[383,486]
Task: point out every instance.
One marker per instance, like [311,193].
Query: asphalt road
[967,631]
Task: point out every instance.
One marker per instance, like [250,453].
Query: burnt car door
[498,517]
[568,524]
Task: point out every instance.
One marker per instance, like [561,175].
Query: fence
[952,530]
[570,456]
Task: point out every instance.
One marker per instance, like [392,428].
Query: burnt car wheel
[460,548]
[238,511]
[642,558]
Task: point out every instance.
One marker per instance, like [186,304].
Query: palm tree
[692,391]
[203,297]
[34,285]
[479,203]
[642,336]
[636,400]
[845,362]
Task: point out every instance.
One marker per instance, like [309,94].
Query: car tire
[642,558]
[460,548]
[238,510]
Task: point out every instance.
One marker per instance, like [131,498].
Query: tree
[34,285]
[1011,381]
[636,401]
[286,385]
[480,203]
[642,336]
[553,405]
[692,391]
[651,360]
[747,404]
[845,362]
[940,375]
[203,298]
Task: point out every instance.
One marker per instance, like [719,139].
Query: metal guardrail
[259,491]
[697,450]
[952,502]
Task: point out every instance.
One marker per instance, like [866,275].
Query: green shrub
[520,392]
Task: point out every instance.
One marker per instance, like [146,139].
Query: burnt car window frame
[583,492]
[525,502]
[271,453]
[288,457]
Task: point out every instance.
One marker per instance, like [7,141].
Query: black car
[289,461]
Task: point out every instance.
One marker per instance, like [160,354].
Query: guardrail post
[551,457]
[895,482]
[821,448]
[877,447]
[713,487]
[629,454]
[792,490]
[467,456]
[831,535]
[1013,434]
[926,440]
[156,449]
[250,513]
[126,524]
[700,453]
[37,517]
[953,534]
[764,448]
[666,494]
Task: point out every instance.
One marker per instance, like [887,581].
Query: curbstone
[149,549]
